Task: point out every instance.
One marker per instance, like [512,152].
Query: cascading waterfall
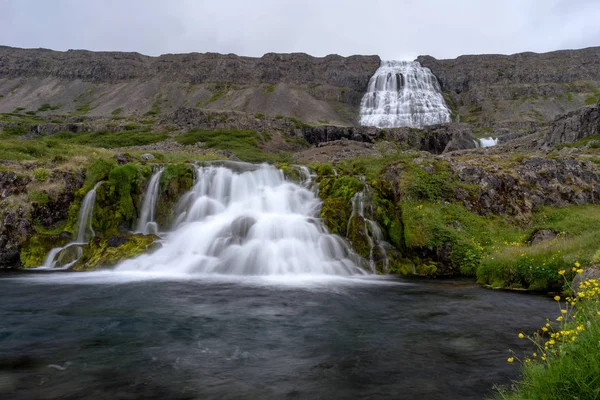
[403,93]
[488,142]
[147,223]
[83,234]
[242,219]
[374,235]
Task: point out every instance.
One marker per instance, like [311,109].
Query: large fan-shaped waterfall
[403,93]
[248,220]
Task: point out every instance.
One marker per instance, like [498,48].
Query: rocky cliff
[574,126]
[491,90]
[326,90]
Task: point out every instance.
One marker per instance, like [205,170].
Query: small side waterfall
[147,223]
[242,219]
[83,233]
[403,93]
[372,231]
[488,142]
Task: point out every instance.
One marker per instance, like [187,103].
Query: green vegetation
[98,253]
[110,140]
[117,111]
[517,264]
[84,108]
[155,109]
[244,144]
[270,88]
[41,174]
[565,363]
[48,107]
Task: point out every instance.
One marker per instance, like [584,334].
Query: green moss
[175,180]
[37,246]
[335,213]
[40,198]
[243,143]
[100,254]
[117,111]
[97,171]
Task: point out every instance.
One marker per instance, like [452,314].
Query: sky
[400,29]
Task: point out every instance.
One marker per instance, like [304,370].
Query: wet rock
[116,241]
[106,253]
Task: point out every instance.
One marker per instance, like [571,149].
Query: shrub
[41,174]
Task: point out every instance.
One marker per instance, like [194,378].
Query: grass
[519,265]
[110,140]
[48,107]
[565,362]
[243,143]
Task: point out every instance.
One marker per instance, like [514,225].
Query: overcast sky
[393,29]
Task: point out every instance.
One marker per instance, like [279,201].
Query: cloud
[393,29]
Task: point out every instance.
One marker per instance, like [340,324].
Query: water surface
[116,336]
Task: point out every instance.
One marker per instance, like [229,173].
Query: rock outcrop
[574,126]
[518,188]
[488,89]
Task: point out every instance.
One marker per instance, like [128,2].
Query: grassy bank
[565,360]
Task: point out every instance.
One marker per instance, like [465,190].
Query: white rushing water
[488,142]
[374,235]
[403,93]
[83,233]
[241,219]
[147,222]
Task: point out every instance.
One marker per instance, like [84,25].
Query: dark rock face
[16,225]
[490,89]
[474,71]
[11,184]
[574,126]
[296,68]
[530,184]
[435,139]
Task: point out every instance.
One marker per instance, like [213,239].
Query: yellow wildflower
[559,318]
[534,354]
[577,264]
[545,329]
[557,298]
[561,272]
[521,336]
[563,311]
[573,269]
[579,270]
[510,359]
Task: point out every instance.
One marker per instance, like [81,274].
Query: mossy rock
[335,213]
[175,180]
[117,200]
[106,253]
[358,236]
[36,248]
